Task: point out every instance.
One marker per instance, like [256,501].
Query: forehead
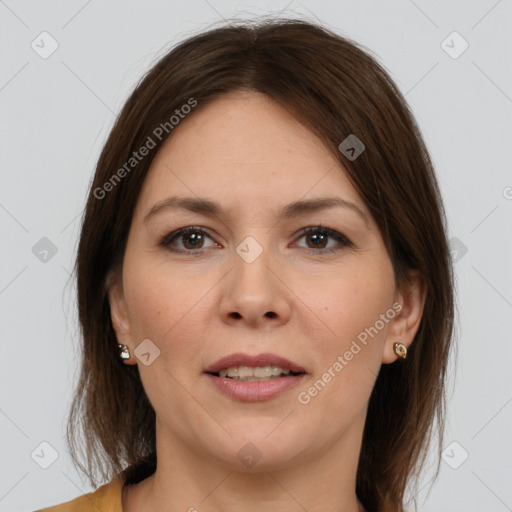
[247,151]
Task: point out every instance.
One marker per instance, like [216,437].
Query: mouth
[255,374]
[247,367]
[254,378]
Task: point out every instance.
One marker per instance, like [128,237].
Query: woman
[265,242]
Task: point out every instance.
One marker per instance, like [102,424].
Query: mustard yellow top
[106,498]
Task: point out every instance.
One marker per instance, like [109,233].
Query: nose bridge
[252,290]
[253,257]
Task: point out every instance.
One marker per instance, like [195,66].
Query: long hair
[335,88]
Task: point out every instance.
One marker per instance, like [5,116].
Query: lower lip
[255,391]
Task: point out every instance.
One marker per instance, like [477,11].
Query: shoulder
[106,497]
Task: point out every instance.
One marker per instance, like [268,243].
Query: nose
[254,292]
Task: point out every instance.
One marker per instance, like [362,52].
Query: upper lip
[240,359]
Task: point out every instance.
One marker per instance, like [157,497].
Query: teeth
[250,373]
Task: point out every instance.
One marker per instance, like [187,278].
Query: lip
[241,359]
[255,391]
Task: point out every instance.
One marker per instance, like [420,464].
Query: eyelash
[167,240]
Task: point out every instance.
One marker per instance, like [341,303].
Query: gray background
[56,112]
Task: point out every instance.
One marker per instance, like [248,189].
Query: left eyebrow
[210,208]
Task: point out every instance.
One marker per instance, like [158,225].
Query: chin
[259,453]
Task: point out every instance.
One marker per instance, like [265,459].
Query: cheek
[150,306]
[355,307]
[168,307]
[351,300]
[350,354]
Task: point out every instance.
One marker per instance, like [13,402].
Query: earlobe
[119,316]
[405,325]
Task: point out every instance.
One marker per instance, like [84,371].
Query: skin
[249,154]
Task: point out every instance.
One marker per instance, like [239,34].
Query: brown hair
[335,88]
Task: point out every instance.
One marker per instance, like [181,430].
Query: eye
[318,235]
[191,236]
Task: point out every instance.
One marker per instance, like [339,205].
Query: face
[250,280]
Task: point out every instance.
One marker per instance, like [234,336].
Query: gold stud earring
[400,350]
[124,351]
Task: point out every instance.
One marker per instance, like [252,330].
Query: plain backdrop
[56,111]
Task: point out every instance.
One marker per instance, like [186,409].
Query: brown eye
[318,237]
[195,240]
[191,238]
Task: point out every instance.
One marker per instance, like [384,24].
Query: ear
[405,324]
[119,313]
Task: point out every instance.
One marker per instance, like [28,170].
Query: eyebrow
[210,208]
